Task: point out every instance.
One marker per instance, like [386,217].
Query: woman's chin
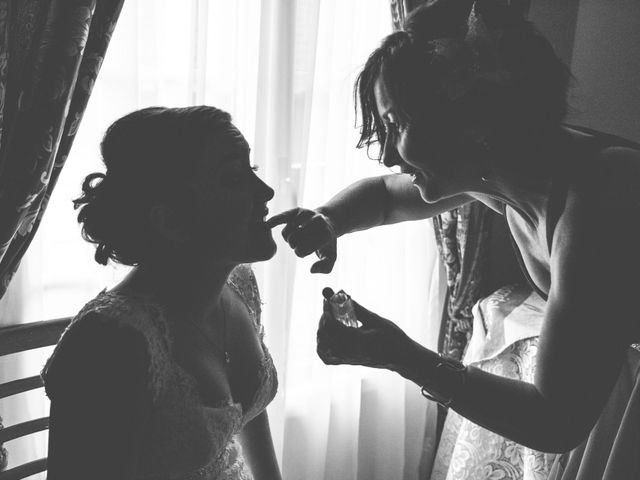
[258,245]
[269,251]
[264,246]
[427,194]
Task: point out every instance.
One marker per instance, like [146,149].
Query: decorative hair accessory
[472,55]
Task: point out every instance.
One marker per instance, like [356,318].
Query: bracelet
[329,222]
[453,385]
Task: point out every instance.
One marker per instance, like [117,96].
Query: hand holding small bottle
[342,307]
[350,334]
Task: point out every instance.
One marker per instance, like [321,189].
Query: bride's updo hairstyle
[151,156]
[463,63]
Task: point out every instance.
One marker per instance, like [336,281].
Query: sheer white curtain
[284,69]
[349,422]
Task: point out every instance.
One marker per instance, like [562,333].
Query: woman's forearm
[360,206]
[511,408]
[516,410]
[383,200]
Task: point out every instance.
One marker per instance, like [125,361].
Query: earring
[486,173]
[482,142]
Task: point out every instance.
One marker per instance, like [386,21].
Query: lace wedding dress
[185,439]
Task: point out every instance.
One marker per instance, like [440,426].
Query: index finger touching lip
[281,218]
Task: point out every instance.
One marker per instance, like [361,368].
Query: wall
[600,39]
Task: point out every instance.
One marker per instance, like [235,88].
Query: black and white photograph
[319,239]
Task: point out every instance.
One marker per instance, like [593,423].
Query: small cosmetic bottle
[342,308]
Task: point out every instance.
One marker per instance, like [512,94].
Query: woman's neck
[529,199]
[192,288]
[527,190]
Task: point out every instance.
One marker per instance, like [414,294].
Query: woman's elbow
[562,443]
[562,435]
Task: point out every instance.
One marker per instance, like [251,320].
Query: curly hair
[150,155]
[534,100]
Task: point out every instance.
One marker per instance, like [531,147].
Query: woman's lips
[261,217]
[419,181]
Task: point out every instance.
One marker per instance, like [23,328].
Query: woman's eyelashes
[240,175]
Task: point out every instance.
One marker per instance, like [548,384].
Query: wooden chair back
[21,338]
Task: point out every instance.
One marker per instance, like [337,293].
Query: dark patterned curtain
[462,236]
[50,54]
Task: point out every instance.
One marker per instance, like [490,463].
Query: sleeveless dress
[504,342]
[612,449]
[598,141]
[185,439]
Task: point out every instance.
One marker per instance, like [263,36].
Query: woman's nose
[390,156]
[266,192]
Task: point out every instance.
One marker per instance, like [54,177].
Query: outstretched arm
[589,320]
[383,200]
[365,204]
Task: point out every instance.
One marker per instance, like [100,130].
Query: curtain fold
[347,422]
[463,239]
[50,56]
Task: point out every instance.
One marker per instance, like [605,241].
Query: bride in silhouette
[166,375]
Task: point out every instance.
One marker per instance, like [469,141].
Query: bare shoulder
[610,183]
[602,198]
[597,234]
[97,348]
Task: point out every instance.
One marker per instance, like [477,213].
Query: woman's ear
[167,222]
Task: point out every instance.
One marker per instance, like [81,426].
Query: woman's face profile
[232,202]
[421,149]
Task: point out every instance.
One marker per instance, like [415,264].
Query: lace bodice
[185,439]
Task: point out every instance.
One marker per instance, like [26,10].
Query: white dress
[185,439]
